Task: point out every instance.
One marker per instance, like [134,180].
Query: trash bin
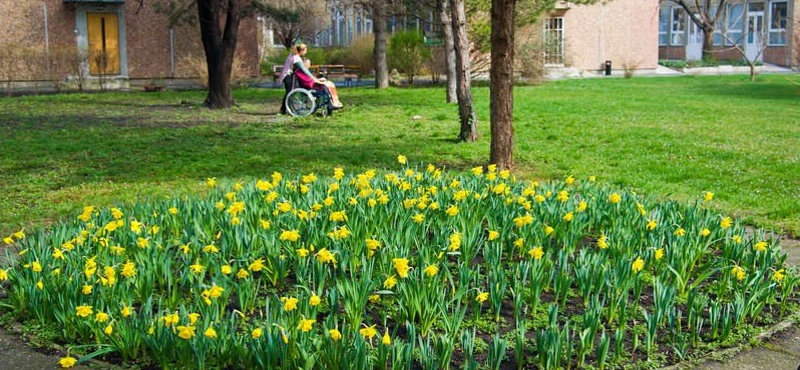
[608,68]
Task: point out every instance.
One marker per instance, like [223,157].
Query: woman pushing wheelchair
[295,73]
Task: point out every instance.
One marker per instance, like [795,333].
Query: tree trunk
[379,53]
[466,111]
[501,88]
[449,50]
[708,44]
[219,45]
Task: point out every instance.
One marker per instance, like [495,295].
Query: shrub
[196,67]
[408,54]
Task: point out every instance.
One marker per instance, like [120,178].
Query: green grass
[670,137]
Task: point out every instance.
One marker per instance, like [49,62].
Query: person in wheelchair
[334,94]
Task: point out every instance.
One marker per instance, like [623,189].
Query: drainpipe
[172,52]
[46,40]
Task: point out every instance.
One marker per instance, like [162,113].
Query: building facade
[762,29]
[69,41]
[622,33]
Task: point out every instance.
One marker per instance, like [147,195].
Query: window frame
[553,59]
[781,32]
[734,30]
[664,20]
[677,36]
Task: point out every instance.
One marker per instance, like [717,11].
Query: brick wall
[23,55]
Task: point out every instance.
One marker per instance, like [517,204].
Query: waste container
[608,68]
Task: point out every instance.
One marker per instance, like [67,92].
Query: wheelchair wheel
[300,103]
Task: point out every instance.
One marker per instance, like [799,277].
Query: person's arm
[302,67]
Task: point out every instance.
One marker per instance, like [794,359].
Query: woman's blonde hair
[296,49]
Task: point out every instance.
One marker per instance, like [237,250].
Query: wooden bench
[348,74]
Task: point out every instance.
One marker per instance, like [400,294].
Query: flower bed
[408,268]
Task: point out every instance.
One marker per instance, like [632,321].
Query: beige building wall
[624,32]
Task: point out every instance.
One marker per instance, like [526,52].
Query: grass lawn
[670,137]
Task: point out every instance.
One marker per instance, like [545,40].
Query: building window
[734,24]
[718,25]
[777,23]
[663,27]
[678,27]
[554,41]
[103,40]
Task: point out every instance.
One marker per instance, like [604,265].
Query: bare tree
[294,19]
[379,29]
[449,49]
[706,14]
[466,109]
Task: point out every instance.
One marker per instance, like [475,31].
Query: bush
[196,67]
[360,53]
[408,54]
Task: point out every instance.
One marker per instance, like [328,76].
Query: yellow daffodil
[315,300]
[211,182]
[402,159]
[738,272]
[335,334]
[568,217]
[109,329]
[290,235]
[614,198]
[523,220]
[126,311]
[452,210]
[226,269]
[386,340]
[257,265]
[548,230]
[185,332]
[708,196]
[325,256]
[760,246]
[390,282]
[536,253]
[493,235]
[725,223]
[171,319]
[36,266]
[659,253]
[401,266]
[289,303]
[242,274]
[210,333]
[3,275]
[431,270]
[256,333]
[368,332]
[651,224]
[562,196]
[197,268]
[680,232]
[637,265]
[418,217]
[83,311]
[778,276]
[87,289]
[128,269]
[67,362]
[602,242]
[705,232]
[306,325]
[482,297]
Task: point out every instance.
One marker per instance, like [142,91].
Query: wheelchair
[302,102]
